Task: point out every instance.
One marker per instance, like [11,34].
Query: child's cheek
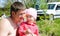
[28,19]
[32,19]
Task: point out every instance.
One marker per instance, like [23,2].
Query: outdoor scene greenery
[46,27]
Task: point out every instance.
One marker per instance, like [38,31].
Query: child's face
[30,18]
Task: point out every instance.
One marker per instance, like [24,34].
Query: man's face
[19,15]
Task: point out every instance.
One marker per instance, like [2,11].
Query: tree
[30,3]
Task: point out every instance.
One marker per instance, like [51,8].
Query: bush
[49,28]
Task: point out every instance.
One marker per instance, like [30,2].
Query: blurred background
[48,25]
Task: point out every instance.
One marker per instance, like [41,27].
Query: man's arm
[3,28]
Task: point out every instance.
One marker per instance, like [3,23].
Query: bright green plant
[49,28]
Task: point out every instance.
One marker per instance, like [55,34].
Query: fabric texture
[24,26]
[32,12]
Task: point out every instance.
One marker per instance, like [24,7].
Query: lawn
[49,27]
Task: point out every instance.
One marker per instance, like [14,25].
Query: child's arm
[37,31]
[23,29]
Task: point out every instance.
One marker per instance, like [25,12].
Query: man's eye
[21,13]
[29,16]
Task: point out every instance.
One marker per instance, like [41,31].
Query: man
[8,26]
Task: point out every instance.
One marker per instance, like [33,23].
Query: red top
[24,26]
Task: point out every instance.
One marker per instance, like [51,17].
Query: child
[29,27]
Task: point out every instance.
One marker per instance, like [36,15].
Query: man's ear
[13,13]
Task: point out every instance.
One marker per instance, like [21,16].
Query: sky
[2,3]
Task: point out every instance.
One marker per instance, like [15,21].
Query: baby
[29,27]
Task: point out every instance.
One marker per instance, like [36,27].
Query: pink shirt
[24,26]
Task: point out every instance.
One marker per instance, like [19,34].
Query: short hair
[17,6]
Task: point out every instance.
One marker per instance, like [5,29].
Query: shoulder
[23,24]
[4,27]
[4,23]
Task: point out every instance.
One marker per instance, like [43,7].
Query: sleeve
[21,30]
[36,31]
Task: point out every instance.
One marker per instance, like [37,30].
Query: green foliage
[30,3]
[49,28]
[7,13]
[6,9]
[46,27]
[43,4]
[1,13]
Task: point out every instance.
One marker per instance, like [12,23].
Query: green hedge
[49,28]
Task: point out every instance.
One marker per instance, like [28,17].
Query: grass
[49,28]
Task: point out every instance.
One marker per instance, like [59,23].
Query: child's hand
[28,31]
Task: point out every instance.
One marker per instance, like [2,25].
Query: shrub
[49,28]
